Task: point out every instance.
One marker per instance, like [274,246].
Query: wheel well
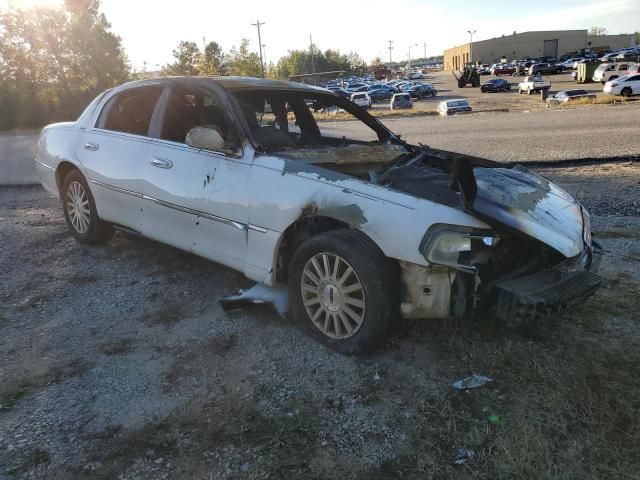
[61,172]
[295,234]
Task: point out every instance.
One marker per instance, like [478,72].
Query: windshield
[293,120]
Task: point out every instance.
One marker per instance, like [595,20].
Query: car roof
[231,83]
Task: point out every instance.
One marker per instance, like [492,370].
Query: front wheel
[80,211]
[626,92]
[342,289]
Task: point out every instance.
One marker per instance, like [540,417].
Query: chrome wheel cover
[333,295]
[78,207]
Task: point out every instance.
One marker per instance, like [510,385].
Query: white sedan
[359,226]
[625,86]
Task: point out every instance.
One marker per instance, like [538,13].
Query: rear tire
[343,290]
[80,211]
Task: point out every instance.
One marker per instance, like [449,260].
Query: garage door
[551,48]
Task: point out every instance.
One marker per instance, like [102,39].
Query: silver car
[360,226]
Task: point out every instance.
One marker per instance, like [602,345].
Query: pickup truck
[533,83]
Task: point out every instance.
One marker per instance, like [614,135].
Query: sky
[151,29]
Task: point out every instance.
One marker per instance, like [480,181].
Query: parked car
[422,90]
[495,85]
[401,100]
[415,76]
[629,56]
[625,86]
[453,107]
[362,99]
[187,161]
[533,83]
[506,69]
[566,96]
[341,91]
[545,68]
[611,71]
[484,69]
[382,94]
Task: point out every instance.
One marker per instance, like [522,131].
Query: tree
[54,60]
[242,62]
[187,55]
[212,60]
[598,31]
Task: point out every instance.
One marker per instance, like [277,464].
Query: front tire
[343,290]
[626,92]
[80,211]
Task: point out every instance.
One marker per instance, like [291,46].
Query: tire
[529,91]
[626,92]
[359,324]
[483,90]
[84,225]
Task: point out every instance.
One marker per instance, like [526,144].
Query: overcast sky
[151,29]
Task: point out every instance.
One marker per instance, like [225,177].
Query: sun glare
[9,4]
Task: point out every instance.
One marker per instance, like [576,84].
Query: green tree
[187,55]
[53,60]
[212,60]
[242,62]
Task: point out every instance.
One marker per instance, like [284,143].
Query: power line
[258,24]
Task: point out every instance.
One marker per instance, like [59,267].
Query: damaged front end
[536,260]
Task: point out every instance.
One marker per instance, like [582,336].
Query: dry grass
[600,99]
[419,109]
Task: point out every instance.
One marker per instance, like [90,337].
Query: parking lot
[445,83]
[118,362]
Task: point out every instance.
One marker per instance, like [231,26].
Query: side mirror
[207,137]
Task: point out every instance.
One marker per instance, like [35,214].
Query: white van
[611,71]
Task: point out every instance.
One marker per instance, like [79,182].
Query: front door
[195,199]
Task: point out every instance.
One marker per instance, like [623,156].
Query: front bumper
[522,301]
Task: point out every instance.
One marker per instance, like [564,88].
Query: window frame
[109,101]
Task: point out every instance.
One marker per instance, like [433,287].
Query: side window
[130,111]
[623,67]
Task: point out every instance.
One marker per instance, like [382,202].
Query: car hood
[531,204]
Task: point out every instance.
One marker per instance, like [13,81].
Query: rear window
[358,96]
[404,96]
[458,103]
[130,111]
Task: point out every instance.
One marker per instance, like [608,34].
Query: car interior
[131,110]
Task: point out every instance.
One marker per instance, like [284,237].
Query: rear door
[114,150]
[196,199]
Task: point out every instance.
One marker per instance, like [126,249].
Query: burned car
[360,229]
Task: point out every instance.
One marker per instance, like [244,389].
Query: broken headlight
[455,247]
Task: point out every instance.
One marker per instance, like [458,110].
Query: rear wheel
[80,211]
[342,288]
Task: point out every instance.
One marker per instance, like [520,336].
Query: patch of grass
[600,99]
[167,314]
[11,397]
[117,347]
[417,110]
[617,233]
[34,458]
[80,279]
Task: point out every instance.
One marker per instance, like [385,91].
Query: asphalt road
[595,131]
[16,159]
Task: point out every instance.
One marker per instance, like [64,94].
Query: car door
[113,153]
[195,199]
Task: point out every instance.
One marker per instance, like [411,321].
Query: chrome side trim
[198,213]
[256,228]
[116,189]
[44,165]
[191,211]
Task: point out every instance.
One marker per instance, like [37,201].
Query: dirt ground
[118,363]
[448,89]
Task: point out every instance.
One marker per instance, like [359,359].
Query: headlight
[447,245]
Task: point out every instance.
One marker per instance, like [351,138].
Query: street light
[413,45]
[471,44]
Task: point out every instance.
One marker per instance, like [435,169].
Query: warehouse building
[554,43]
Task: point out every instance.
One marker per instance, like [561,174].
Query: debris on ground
[463,455]
[474,381]
[260,294]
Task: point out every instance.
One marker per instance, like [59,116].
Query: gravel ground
[117,362]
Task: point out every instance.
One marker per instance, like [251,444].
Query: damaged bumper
[548,293]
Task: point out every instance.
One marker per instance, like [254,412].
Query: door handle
[91,146]
[161,162]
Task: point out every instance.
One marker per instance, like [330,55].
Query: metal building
[553,43]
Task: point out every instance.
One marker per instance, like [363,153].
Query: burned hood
[526,202]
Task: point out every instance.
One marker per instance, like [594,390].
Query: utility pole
[412,45]
[258,24]
[390,48]
[313,64]
[424,45]
[471,44]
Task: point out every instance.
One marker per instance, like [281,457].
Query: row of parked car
[367,91]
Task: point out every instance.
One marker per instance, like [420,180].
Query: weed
[117,347]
